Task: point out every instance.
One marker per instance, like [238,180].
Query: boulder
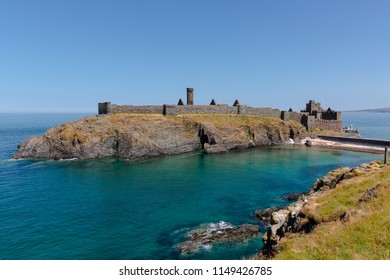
[369,194]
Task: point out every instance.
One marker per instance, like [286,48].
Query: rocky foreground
[131,136]
[336,203]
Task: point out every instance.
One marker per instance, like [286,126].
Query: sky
[66,56]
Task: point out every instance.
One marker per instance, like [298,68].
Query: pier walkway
[354,141]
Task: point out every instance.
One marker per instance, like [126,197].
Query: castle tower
[190,96]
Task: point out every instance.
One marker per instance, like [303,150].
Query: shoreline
[300,219]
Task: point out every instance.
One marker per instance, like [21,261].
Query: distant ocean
[138,209]
[370,125]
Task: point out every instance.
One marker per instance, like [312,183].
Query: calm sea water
[370,125]
[138,209]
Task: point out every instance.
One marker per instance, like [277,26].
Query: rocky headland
[343,216]
[131,136]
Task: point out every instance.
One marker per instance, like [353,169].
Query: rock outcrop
[291,196]
[265,215]
[130,136]
[206,235]
[298,217]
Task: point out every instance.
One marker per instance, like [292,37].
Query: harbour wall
[370,142]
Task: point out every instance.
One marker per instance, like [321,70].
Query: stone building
[316,117]
[313,116]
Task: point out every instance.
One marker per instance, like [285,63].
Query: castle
[313,116]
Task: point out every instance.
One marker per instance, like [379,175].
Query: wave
[9,160]
[210,227]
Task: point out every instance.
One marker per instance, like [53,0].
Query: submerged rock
[204,236]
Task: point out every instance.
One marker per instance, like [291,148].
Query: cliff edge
[131,136]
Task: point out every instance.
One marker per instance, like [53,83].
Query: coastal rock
[298,217]
[215,149]
[34,147]
[265,215]
[128,136]
[291,196]
[279,217]
[206,235]
[331,179]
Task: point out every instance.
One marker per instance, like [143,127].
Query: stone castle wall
[313,117]
[288,116]
[332,125]
[137,109]
[108,108]
[220,109]
[264,112]
[312,122]
[171,110]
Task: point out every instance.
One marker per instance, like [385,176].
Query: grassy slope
[363,234]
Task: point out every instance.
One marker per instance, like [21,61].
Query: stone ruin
[312,117]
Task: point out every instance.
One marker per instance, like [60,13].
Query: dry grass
[364,234]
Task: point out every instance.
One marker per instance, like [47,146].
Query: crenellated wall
[313,116]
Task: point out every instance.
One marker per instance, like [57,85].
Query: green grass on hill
[350,228]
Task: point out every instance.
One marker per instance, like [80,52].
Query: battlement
[314,116]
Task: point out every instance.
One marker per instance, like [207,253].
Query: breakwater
[346,140]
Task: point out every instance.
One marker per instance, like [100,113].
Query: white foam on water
[69,159]
[208,228]
[9,160]
[207,247]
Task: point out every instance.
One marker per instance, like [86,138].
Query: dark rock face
[205,236]
[291,196]
[265,215]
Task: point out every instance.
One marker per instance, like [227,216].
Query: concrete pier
[346,140]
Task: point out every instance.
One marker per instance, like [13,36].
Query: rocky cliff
[146,135]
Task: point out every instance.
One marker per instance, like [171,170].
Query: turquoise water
[138,209]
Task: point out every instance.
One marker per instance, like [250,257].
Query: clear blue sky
[66,56]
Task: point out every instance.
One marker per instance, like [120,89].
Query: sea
[112,209]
